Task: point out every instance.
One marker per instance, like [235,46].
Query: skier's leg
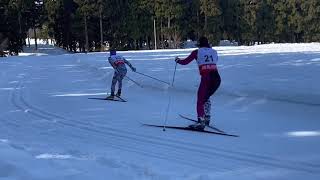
[119,86]
[207,109]
[121,76]
[114,82]
[202,96]
[214,84]
[200,125]
[203,103]
[119,81]
[208,85]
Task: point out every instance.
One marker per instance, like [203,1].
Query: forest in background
[91,25]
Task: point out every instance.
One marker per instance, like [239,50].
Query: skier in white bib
[207,59]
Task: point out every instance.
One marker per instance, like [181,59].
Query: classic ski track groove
[178,146]
[19,101]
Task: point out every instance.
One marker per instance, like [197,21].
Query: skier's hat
[113,52]
[203,42]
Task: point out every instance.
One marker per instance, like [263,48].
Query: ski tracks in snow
[202,156]
[47,124]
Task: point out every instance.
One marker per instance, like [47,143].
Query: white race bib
[207,56]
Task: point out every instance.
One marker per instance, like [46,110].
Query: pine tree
[101,6]
[211,10]
[231,25]
[86,9]
[283,31]
[128,24]
[265,24]
[16,17]
[3,28]
[311,19]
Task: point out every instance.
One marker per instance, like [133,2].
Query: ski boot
[200,125]
[111,97]
[207,110]
[207,120]
[118,93]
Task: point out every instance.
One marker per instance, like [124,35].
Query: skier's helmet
[203,42]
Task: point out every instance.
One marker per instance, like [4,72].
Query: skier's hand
[134,69]
[177,59]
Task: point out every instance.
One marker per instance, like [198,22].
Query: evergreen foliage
[90,25]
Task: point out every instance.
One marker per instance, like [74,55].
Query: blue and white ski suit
[118,63]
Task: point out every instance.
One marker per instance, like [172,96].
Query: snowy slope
[270,96]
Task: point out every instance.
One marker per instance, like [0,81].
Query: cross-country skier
[118,63]
[207,59]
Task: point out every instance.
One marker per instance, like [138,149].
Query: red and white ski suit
[207,59]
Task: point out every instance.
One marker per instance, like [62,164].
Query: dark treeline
[16,18]
[88,25]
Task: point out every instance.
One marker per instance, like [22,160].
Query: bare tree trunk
[35,38]
[161,34]
[3,46]
[28,39]
[148,42]
[176,39]
[86,34]
[198,23]
[168,33]
[19,20]
[101,32]
[155,33]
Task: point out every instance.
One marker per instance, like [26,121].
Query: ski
[191,129]
[212,127]
[120,99]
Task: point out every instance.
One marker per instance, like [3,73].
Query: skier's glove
[177,59]
[134,69]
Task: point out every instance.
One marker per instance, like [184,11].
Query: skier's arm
[130,65]
[188,59]
[111,63]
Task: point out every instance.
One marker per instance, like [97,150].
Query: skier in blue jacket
[118,63]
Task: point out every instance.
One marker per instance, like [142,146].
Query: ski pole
[153,78]
[169,103]
[167,113]
[174,74]
[134,82]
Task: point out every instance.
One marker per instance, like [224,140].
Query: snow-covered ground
[269,96]
[44,48]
